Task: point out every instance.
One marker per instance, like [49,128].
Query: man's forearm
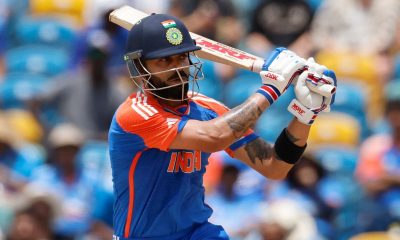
[298,132]
[242,117]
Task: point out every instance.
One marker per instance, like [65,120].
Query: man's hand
[279,71]
[315,91]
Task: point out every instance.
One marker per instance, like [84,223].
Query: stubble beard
[178,92]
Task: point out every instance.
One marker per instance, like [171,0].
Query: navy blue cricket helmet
[159,35]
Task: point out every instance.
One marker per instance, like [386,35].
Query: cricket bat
[127,17]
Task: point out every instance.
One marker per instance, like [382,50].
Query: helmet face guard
[143,78]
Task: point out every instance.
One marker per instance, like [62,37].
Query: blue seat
[240,88]
[271,124]
[211,85]
[44,30]
[337,160]
[93,156]
[340,191]
[351,99]
[16,88]
[39,59]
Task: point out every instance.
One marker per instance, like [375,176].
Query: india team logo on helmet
[174,36]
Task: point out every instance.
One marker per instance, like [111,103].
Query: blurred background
[62,76]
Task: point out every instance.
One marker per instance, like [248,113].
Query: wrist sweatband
[270,92]
[286,150]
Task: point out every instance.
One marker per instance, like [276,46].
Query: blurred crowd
[62,76]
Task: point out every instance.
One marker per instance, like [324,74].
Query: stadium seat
[335,128]
[351,99]
[211,85]
[44,30]
[271,124]
[373,236]
[39,59]
[16,88]
[26,126]
[359,68]
[240,88]
[339,191]
[337,160]
[71,10]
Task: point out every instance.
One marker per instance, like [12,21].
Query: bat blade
[127,17]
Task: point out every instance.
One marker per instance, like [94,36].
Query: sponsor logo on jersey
[184,161]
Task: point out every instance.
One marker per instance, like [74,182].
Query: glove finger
[327,102]
[315,68]
[323,89]
[301,89]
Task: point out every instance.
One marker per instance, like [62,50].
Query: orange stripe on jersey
[131,194]
[144,116]
[211,104]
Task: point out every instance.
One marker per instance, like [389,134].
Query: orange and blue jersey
[159,192]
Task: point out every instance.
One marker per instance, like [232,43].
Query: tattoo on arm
[292,138]
[242,117]
[259,149]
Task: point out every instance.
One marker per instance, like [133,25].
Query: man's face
[170,78]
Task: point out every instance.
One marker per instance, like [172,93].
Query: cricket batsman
[161,136]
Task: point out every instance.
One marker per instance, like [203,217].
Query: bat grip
[257,65]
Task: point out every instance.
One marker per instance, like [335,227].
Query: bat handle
[257,65]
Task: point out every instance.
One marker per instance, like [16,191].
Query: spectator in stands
[65,180]
[36,211]
[355,25]
[27,226]
[232,207]
[284,219]
[219,21]
[281,23]
[303,182]
[211,13]
[107,36]
[378,169]
[87,96]
[15,166]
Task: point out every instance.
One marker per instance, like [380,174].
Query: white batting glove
[314,93]
[278,72]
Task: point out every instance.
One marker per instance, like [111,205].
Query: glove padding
[315,91]
[279,71]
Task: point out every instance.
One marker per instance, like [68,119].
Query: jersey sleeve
[154,126]
[220,109]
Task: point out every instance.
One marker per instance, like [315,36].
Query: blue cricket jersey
[159,192]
